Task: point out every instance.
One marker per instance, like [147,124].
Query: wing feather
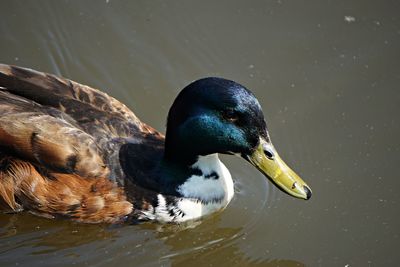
[59,147]
[44,139]
[95,111]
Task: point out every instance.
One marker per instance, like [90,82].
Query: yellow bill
[267,160]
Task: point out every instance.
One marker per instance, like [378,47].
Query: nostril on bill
[268,151]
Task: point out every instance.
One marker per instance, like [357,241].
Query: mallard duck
[70,151]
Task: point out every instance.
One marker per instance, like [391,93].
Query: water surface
[327,74]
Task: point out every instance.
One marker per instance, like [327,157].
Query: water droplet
[349,19]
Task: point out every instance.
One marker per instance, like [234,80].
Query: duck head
[215,115]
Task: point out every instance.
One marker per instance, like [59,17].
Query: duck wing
[59,143]
[47,137]
[96,112]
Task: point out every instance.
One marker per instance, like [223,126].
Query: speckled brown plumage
[59,143]
[90,200]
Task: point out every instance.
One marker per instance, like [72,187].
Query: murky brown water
[327,74]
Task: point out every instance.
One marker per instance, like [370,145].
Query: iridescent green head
[215,115]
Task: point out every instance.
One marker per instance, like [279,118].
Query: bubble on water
[349,19]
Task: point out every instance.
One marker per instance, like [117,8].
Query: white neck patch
[214,185]
[202,194]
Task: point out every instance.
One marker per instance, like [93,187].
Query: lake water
[327,74]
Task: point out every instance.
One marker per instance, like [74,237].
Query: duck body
[71,151]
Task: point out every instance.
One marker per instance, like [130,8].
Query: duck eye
[268,151]
[230,115]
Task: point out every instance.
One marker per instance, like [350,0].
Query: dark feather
[59,148]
